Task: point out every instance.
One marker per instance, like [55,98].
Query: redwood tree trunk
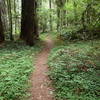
[1,29]
[29,27]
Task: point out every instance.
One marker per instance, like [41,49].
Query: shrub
[78,33]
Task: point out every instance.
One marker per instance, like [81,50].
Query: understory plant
[75,71]
[16,65]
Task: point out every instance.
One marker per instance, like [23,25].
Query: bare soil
[41,84]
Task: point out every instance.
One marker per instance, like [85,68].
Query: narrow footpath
[41,88]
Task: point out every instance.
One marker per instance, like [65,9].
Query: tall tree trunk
[1,28]
[10,20]
[60,13]
[15,17]
[29,29]
[36,35]
[58,18]
[50,6]
[75,12]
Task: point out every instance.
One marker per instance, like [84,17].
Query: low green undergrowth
[75,71]
[16,65]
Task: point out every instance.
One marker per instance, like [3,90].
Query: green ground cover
[75,70]
[16,65]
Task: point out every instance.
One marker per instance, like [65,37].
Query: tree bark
[2,38]
[29,26]
[10,19]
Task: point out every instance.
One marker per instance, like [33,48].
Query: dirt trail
[41,89]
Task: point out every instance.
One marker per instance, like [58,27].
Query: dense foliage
[16,65]
[75,71]
[71,19]
[82,20]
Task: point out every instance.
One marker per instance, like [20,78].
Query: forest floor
[41,84]
[74,68]
[17,62]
